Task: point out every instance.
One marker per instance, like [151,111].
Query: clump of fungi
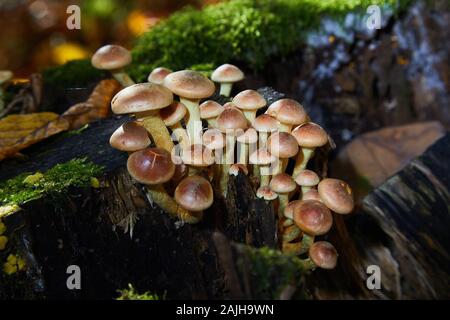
[179,135]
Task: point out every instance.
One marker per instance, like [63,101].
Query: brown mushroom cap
[141,97]
[158,75]
[229,105]
[282,183]
[282,145]
[250,136]
[210,109]
[307,178]
[130,137]
[151,166]
[194,193]
[190,84]
[323,254]
[310,135]
[313,217]
[262,157]
[227,73]
[266,193]
[197,155]
[249,100]
[265,123]
[230,120]
[290,208]
[288,111]
[336,195]
[173,113]
[213,139]
[111,57]
[311,195]
[235,168]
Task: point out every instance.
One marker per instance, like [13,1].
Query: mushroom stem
[123,78]
[306,243]
[305,189]
[243,152]
[265,175]
[159,195]
[262,137]
[250,115]
[284,127]
[229,160]
[302,160]
[283,201]
[212,122]
[225,88]
[194,123]
[157,129]
[181,135]
[288,222]
[291,233]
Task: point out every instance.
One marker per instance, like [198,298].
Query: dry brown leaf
[97,106]
[20,131]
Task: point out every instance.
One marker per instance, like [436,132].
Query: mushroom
[323,254]
[309,136]
[113,58]
[336,195]
[197,156]
[172,116]
[264,159]
[236,168]
[214,140]
[194,193]
[307,179]
[288,112]
[265,125]
[282,184]
[266,193]
[191,86]
[144,100]
[249,101]
[311,195]
[158,75]
[226,75]
[209,111]
[291,233]
[284,146]
[246,145]
[130,137]
[153,167]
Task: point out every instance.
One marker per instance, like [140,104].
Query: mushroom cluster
[179,137]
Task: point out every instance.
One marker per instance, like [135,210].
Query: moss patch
[27,187]
[131,294]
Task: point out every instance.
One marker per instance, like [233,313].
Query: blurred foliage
[73,74]
[131,294]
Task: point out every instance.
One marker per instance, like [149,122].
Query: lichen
[131,294]
[27,187]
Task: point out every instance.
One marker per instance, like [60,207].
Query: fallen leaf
[20,131]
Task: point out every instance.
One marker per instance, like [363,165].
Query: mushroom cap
[323,254]
[235,168]
[158,75]
[336,195]
[311,195]
[312,217]
[266,193]
[288,111]
[265,123]
[229,105]
[130,137]
[282,145]
[5,75]
[189,84]
[197,155]
[141,97]
[227,73]
[262,157]
[151,166]
[194,193]
[310,135]
[290,208]
[249,100]
[173,113]
[231,119]
[111,57]
[282,183]
[213,139]
[210,109]
[250,136]
[307,178]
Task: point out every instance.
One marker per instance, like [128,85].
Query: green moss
[25,187]
[131,294]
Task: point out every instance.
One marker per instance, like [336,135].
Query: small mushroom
[249,101]
[227,75]
[158,75]
[307,179]
[246,145]
[191,87]
[282,184]
[284,146]
[144,100]
[311,195]
[197,156]
[323,254]
[172,116]
[194,193]
[130,137]
[214,140]
[209,111]
[114,58]
[312,217]
[264,159]
[236,168]
[265,125]
[288,112]
[336,195]
[266,193]
[309,136]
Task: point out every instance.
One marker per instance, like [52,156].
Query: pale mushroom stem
[250,115]
[305,189]
[243,152]
[123,78]
[283,127]
[283,201]
[302,160]
[229,160]
[291,233]
[225,89]
[212,122]
[306,243]
[194,122]
[265,175]
[181,135]
[262,137]
[159,195]
[157,129]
